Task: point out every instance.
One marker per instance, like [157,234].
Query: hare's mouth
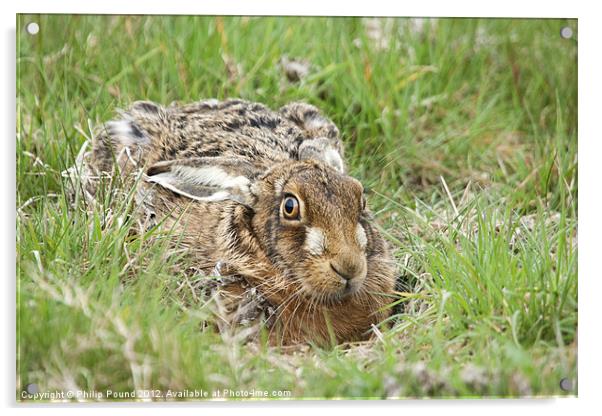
[335,294]
[331,282]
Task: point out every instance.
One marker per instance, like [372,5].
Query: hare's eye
[290,208]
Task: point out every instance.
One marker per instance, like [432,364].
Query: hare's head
[312,222]
[309,220]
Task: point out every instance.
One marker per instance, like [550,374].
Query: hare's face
[314,221]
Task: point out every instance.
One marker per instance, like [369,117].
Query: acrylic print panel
[288,208]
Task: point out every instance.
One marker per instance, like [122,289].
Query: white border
[507,8]
[590,94]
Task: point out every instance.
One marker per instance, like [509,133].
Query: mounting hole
[32,28]
[566,384]
[566,32]
[32,388]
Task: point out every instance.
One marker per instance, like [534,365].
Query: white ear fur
[204,179]
[322,149]
[171,182]
[126,132]
[211,176]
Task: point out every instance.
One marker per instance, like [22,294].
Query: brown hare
[263,197]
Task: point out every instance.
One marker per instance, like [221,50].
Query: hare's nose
[338,270]
[349,267]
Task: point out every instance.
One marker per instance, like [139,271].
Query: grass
[465,131]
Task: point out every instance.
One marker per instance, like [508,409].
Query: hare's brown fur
[218,171]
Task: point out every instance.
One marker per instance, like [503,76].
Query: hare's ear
[321,140]
[322,149]
[310,120]
[205,178]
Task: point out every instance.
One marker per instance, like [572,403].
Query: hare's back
[148,133]
[232,128]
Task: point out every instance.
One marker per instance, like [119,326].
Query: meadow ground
[464,130]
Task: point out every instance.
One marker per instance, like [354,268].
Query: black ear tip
[146,107]
[157,169]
